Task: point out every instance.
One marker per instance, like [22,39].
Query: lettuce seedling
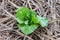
[29,20]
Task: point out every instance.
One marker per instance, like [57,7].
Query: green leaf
[43,21]
[27,29]
[34,17]
[21,14]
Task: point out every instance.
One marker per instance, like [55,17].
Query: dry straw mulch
[48,8]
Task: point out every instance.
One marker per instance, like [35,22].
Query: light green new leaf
[43,21]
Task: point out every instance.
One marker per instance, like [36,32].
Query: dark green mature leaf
[21,12]
[34,17]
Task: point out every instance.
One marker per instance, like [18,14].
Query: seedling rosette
[29,21]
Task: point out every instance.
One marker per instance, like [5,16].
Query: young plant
[29,20]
